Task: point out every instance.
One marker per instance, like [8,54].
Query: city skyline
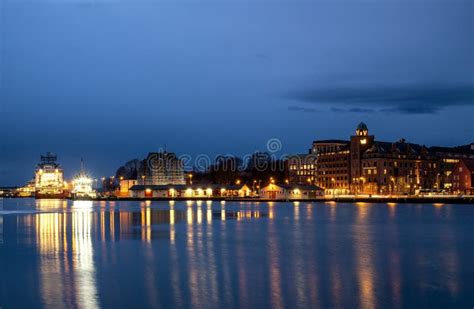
[274,148]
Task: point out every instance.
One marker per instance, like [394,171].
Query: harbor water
[201,254]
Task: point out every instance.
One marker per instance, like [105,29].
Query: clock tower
[360,142]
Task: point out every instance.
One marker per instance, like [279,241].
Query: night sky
[111,80]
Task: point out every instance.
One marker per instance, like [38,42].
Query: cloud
[408,99]
[295,108]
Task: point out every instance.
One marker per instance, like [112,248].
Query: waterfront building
[301,168]
[394,168]
[161,168]
[463,176]
[290,192]
[333,169]
[332,165]
[124,187]
[190,191]
[449,157]
[363,165]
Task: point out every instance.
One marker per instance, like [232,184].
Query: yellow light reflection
[172,227]
[209,215]
[222,214]
[189,215]
[364,260]
[83,263]
[392,207]
[199,215]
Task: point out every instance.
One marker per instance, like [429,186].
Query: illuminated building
[161,168]
[332,167]
[463,176]
[302,168]
[290,192]
[49,182]
[366,166]
[449,157]
[191,191]
[125,186]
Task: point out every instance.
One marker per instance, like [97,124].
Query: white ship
[83,189]
[49,182]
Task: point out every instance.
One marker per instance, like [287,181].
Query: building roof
[300,187]
[398,147]
[463,149]
[362,126]
[185,187]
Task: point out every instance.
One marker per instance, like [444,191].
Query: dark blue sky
[112,80]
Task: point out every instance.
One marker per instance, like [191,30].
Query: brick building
[366,166]
[302,168]
[395,168]
[463,176]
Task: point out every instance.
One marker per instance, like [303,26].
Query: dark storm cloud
[414,99]
[295,108]
[353,110]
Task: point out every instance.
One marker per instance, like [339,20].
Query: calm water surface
[213,254]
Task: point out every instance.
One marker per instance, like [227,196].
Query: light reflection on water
[160,254]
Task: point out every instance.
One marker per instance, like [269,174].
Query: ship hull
[78,197]
[50,195]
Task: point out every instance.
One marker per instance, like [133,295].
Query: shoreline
[393,199]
